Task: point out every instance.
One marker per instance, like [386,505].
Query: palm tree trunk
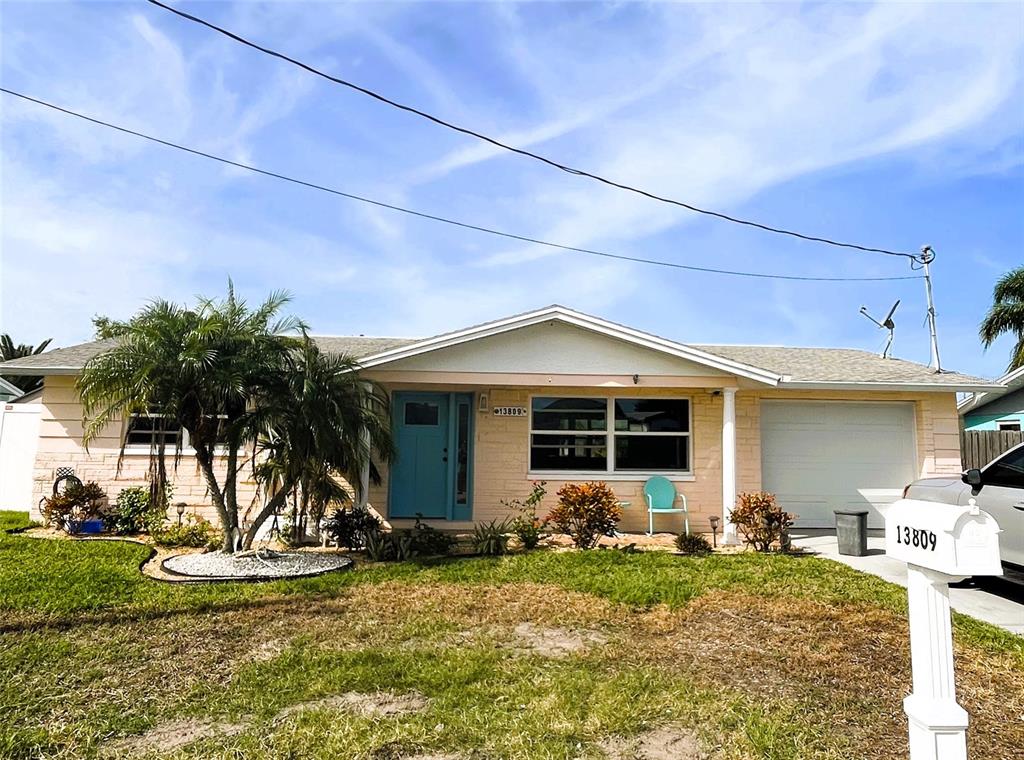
[205,460]
[269,508]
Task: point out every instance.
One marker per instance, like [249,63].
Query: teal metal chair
[661,498]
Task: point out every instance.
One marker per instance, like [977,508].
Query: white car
[998,489]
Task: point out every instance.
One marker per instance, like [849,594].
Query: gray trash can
[852,532]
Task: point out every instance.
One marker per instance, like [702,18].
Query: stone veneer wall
[502,449]
[60,445]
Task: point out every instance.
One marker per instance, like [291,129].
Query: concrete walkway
[993,600]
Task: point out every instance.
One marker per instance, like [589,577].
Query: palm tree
[319,421]
[8,351]
[1007,314]
[199,368]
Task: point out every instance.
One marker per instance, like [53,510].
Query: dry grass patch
[852,662]
[382,704]
[656,744]
[169,736]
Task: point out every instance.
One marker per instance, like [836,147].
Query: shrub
[692,543]
[491,539]
[427,541]
[78,502]
[379,546]
[349,527]
[586,512]
[526,525]
[131,512]
[194,531]
[759,519]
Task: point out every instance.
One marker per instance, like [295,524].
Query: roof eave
[40,371]
[887,386]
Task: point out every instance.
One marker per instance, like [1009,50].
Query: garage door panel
[821,456]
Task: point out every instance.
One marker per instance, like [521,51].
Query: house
[1000,409]
[557,395]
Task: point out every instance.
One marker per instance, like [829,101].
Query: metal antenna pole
[927,257]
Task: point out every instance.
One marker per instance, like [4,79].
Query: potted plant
[78,509]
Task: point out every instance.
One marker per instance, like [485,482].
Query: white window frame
[143,449]
[609,433]
[1016,426]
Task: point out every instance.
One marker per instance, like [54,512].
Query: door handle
[1019,505]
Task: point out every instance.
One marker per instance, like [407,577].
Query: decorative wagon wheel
[64,481]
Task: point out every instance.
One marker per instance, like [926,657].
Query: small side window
[1009,425]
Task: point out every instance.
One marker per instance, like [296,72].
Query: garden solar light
[714,529]
[180,508]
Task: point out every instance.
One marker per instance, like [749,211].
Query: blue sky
[891,125]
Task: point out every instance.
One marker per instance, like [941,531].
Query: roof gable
[692,357]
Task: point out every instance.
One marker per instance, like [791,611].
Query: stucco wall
[502,449]
[60,445]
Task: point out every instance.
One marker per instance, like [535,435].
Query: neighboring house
[560,396]
[9,391]
[1000,409]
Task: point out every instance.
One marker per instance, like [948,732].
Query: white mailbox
[955,540]
[940,543]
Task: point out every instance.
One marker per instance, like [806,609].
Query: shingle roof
[838,365]
[834,366]
[73,358]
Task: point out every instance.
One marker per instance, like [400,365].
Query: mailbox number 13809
[922,539]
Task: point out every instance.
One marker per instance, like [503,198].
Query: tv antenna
[885,324]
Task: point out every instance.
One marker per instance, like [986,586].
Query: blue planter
[91,527]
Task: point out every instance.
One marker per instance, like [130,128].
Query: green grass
[90,649]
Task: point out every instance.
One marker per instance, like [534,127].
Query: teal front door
[431,475]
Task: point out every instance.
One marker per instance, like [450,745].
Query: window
[145,430]
[569,434]
[1007,471]
[421,413]
[646,434]
[1010,425]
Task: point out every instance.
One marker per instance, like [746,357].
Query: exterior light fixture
[180,509]
[714,529]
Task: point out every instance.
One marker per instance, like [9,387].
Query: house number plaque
[510,411]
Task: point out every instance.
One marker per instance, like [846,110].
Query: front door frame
[457,402]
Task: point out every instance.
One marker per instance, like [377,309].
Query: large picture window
[610,434]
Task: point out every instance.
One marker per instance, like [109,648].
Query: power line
[520,151]
[435,218]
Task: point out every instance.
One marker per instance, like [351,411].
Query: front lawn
[542,655]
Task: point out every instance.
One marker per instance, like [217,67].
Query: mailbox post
[941,544]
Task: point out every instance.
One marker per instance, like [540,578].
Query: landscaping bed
[548,654]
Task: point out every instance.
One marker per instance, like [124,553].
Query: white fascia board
[887,386]
[579,320]
[40,371]
[1011,381]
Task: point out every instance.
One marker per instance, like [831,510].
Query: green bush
[78,502]
[194,531]
[586,511]
[130,512]
[760,520]
[426,541]
[491,539]
[693,544]
[349,527]
[526,525]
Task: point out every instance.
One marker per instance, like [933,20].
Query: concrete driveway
[994,600]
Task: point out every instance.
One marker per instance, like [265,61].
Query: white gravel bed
[262,564]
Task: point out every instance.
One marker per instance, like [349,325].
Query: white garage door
[820,456]
[19,432]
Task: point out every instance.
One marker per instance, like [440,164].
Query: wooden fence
[979,447]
